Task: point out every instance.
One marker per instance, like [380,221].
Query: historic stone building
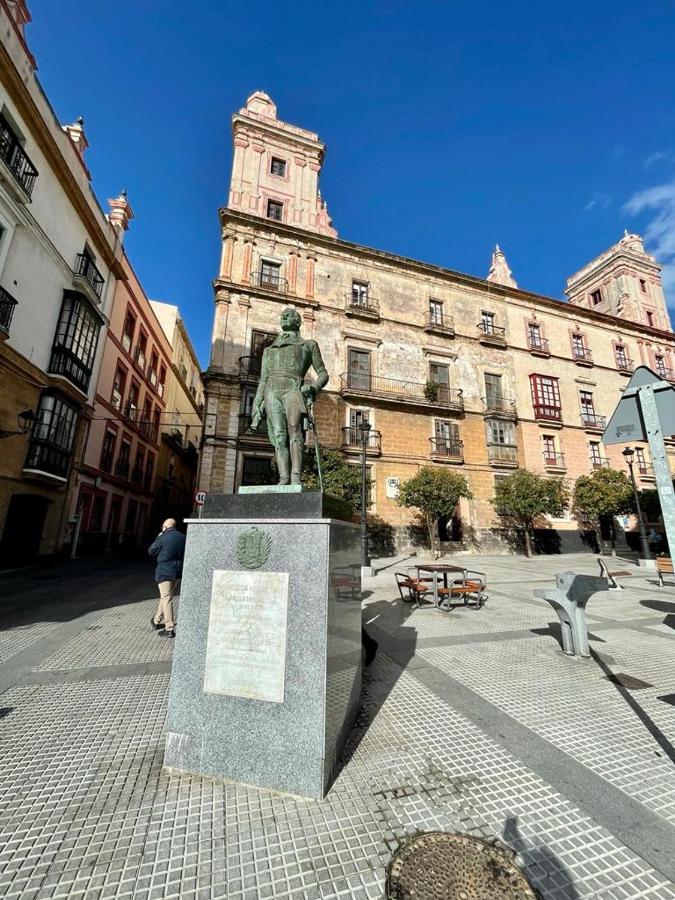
[449,369]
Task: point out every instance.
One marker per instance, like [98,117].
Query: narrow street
[471,721]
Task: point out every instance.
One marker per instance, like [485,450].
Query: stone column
[309,276]
[218,335]
[249,244]
[227,256]
[293,257]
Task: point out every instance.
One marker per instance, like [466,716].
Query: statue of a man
[283,395]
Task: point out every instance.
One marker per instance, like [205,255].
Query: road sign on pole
[646,412]
[200,497]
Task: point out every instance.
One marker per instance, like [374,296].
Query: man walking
[169,549]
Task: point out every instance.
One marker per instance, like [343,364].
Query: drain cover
[440,866]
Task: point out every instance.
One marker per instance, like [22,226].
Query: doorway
[24,525]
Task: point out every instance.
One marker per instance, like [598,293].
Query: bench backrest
[664,564]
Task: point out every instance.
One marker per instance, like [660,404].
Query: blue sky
[451,126]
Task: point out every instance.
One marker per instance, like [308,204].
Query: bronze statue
[283,396]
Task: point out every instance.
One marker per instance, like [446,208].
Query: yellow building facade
[449,369]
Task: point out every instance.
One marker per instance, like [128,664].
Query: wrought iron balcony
[269,282]
[16,159]
[592,422]
[582,356]
[351,440]
[244,428]
[624,365]
[66,363]
[395,390]
[148,429]
[87,269]
[122,468]
[440,324]
[547,413]
[554,460]
[665,373]
[249,367]
[494,335]
[447,449]
[599,462]
[503,407]
[646,471]
[7,304]
[365,306]
[503,454]
[538,346]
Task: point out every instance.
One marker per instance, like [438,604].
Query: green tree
[434,492]
[604,494]
[340,480]
[523,496]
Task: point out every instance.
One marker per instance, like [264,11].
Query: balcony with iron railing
[503,454]
[593,422]
[538,346]
[244,429]
[440,324]
[363,306]
[554,460]
[582,356]
[352,443]
[447,450]
[139,357]
[147,428]
[249,368]
[666,373]
[646,471]
[625,365]
[546,413]
[15,158]
[430,394]
[599,462]
[491,335]
[268,281]
[87,270]
[122,468]
[501,407]
[7,304]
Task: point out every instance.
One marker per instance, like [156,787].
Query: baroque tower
[624,281]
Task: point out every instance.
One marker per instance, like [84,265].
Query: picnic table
[470,582]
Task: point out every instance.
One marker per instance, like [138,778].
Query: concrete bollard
[569,598]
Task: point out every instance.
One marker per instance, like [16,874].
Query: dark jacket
[169,549]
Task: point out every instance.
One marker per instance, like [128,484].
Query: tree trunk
[431,523]
[528,542]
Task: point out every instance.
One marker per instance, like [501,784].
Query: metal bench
[612,576]
[471,586]
[664,566]
[415,587]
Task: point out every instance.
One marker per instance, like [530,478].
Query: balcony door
[493,391]
[356,417]
[359,369]
[440,375]
[447,434]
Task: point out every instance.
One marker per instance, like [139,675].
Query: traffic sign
[627,423]
[200,497]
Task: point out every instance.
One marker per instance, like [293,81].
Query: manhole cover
[440,866]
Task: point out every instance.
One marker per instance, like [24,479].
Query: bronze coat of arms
[253,548]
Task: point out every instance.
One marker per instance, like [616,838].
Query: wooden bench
[417,588]
[612,576]
[466,588]
[664,566]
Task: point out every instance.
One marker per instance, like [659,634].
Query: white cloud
[598,199]
[657,157]
[659,232]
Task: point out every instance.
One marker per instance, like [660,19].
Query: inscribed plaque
[246,646]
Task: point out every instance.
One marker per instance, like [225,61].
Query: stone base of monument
[266,672]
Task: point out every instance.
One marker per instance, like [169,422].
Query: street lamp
[364,430]
[628,453]
[25,421]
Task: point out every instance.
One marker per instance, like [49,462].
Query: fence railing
[537,344]
[269,282]
[554,460]
[16,158]
[403,391]
[591,420]
[500,406]
[88,270]
[362,304]
[7,304]
[351,437]
[447,448]
[502,453]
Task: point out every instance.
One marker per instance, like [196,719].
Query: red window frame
[546,397]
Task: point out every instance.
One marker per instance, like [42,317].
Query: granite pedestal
[266,673]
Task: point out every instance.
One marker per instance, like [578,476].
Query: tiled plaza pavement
[472,721]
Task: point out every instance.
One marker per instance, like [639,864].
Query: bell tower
[275,169]
[624,281]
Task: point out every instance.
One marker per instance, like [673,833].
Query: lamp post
[364,432]
[628,453]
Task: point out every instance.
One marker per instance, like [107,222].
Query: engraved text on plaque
[246,646]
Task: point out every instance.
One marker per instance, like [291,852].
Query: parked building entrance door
[23,529]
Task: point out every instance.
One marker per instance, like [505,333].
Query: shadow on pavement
[541,860]
[554,630]
[659,605]
[66,591]
[644,717]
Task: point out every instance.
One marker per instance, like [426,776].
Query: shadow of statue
[540,863]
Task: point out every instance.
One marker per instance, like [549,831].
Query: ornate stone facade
[450,369]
